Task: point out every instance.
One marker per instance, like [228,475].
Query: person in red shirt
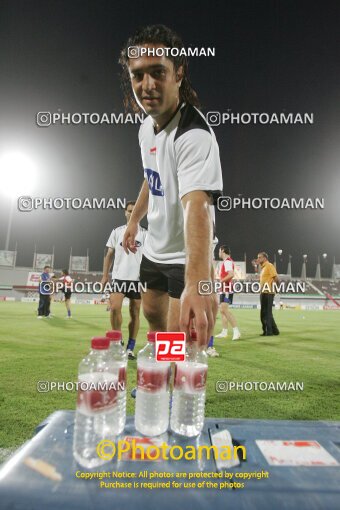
[226,298]
[67,291]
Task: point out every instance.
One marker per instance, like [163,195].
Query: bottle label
[122,377]
[153,379]
[190,378]
[95,396]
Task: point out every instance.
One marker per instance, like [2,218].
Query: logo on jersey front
[154,181]
[137,243]
[153,151]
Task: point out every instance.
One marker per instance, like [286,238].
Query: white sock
[236,330]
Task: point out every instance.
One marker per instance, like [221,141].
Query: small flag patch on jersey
[153,151]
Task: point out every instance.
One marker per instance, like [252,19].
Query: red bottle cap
[151,336]
[100,342]
[114,335]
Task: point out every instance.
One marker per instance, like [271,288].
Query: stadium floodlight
[289,269]
[324,256]
[304,265]
[17,174]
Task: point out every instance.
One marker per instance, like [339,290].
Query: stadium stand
[21,283]
[331,287]
[86,277]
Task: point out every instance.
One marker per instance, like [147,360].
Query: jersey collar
[171,118]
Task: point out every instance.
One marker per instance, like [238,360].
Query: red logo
[153,380]
[315,444]
[153,151]
[96,401]
[147,443]
[189,378]
[170,346]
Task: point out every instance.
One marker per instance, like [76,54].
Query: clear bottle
[118,355]
[188,399]
[111,334]
[96,403]
[153,395]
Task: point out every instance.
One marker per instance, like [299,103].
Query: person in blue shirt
[45,291]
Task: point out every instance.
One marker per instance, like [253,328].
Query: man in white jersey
[125,278]
[182,180]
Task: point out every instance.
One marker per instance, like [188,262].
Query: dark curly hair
[225,248]
[156,34]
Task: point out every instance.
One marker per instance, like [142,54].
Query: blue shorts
[226,298]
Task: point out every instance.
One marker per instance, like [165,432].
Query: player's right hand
[202,309]
[128,242]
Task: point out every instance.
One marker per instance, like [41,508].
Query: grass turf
[49,350]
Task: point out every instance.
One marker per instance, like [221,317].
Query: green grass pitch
[50,350]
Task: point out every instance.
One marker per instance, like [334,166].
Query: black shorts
[126,287]
[67,294]
[227,298]
[165,277]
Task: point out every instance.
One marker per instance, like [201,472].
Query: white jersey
[126,267]
[182,157]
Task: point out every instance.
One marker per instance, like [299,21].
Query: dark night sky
[271,56]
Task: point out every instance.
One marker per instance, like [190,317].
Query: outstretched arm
[198,246]
[107,265]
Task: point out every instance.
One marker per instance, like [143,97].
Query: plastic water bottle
[188,399]
[111,334]
[153,395]
[119,357]
[96,404]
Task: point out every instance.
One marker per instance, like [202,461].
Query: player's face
[220,254]
[128,212]
[155,83]
[260,259]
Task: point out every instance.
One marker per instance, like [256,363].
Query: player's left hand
[202,308]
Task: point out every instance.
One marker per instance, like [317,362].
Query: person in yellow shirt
[268,277]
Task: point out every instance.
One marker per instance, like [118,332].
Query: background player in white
[182,178]
[226,298]
[125,274]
